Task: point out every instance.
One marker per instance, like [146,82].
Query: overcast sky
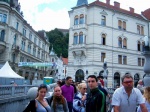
[49,14]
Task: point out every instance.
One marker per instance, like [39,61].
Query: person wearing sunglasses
[80,98]
[95,101]
[126,98]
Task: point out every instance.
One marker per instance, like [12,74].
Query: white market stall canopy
[7,72]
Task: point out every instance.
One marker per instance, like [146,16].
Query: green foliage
[59,41]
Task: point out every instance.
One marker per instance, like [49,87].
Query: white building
[101,30]
[19,42]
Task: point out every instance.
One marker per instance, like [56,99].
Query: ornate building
[100,30]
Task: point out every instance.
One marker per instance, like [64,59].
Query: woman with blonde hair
[147,99]
[80,98]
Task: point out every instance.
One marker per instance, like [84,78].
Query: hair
[127,75]
[140,81]
[81,85]
[58,99]
[147,94]
[93,76]
[42,86]
[67,78]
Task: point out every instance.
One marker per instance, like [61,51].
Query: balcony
[84,26]
[15,48]
[2,46]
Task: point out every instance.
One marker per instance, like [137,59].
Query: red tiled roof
[65,61]
[146,13]
[101,4]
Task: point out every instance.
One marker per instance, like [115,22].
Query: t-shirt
[68,92]
[127,104]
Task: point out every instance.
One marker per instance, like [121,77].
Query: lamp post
[105,73]
[146,53]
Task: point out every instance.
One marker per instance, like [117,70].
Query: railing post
[13,90]
[25,91]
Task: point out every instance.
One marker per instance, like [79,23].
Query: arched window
[103,39]
[81,19]
[142,46]
[81,38]
[119,24]
[138,46]
[120,42]
[79,76]
[116,79]
[75,41]
[76,20]
[2,36]
[125,43]
[124,25]
[103,20]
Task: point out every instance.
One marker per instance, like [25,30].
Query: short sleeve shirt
[127,104]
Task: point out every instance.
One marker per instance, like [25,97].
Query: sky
[50,14]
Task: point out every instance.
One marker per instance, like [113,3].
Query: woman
[80,98]
[58,102]
[39,104]
[147,99]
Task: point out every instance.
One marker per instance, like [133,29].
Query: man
[95,98]
[126,98]
[68,92]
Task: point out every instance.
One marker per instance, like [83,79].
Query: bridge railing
[12,91]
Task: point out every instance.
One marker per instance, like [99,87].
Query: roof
[101,4]
[146,13]
[65,61]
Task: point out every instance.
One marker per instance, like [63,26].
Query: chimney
[131,9]
[117,4]
[108,2]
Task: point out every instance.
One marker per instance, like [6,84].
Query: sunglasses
[126,82]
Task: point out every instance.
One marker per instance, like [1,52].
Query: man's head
[68,80]
[92,81]
[127,82]
[140,82]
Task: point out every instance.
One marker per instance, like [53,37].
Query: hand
[83,97]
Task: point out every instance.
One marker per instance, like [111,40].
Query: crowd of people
[91,96]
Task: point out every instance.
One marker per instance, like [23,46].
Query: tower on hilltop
[82,2]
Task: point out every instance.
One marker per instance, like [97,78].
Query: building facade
[100,30]
[19,42]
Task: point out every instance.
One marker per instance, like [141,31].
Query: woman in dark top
[39,104]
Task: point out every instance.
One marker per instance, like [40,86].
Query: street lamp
[146,53]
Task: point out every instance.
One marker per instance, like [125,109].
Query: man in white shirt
[126,98]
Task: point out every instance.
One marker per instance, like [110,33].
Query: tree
[59,41]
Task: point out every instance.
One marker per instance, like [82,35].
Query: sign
[32,64]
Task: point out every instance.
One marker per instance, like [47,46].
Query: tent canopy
[7,72]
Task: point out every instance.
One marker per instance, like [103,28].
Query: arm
[30,107]
[116,108]
[143,107]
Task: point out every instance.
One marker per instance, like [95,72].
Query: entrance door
[79,76]
[116,79]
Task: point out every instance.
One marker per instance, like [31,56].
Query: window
[28,60]
[103,20]
[15,39]
[139,61]
[13,57]
[124,43]
[30,36]
[17,25]
[34,51]
[119,24]
[75,41]
[39,43]
[35,40]
[81,38]
[38,55]
[21,59]
[142,46]
[120,59]
[143,61]
[103,39]
[42,55]
[43,46]
[140,29]
[29,48]
[2,35]
[76,20]
[24,32]
[124,60]
[103,55]
[23,45]
[3,18]
[124,25]
[120,42]
[138,46]
[81,19]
